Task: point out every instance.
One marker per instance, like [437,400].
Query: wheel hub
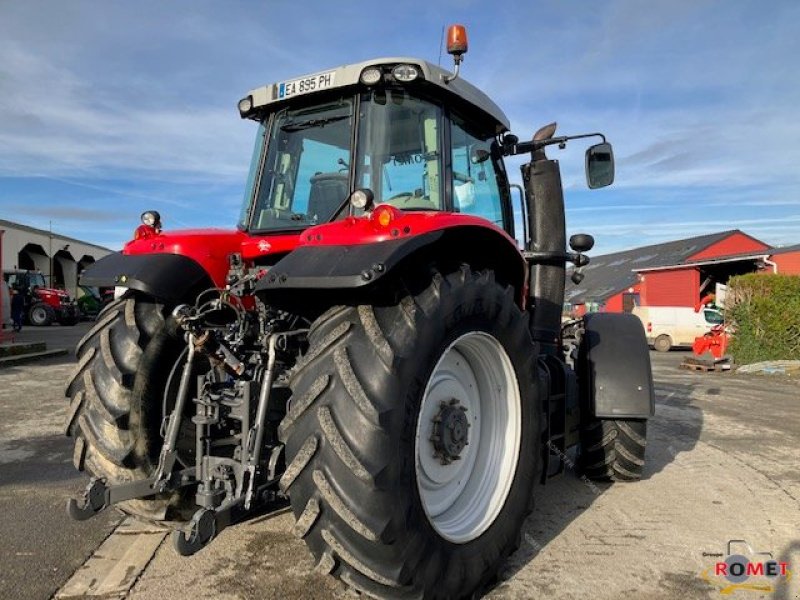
[450,431]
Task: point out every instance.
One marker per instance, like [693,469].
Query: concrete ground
[721,465]
[55,335]
[40,547]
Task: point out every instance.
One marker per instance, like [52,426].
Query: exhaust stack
[547,229]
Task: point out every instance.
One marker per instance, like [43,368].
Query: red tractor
[370,345]
[43,305]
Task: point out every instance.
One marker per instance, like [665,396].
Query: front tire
[613,450]
[375,507]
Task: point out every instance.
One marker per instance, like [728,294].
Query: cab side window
[475,189]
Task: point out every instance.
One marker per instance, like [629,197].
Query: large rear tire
[115,396]
[382,506]
[40,315]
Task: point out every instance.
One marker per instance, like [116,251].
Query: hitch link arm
[254,444]
[166,459]
[98,495]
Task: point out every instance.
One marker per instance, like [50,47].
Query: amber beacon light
[457,47]
[457,41]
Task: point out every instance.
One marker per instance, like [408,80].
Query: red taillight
[383,215]
[649,327]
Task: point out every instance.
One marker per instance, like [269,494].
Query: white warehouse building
[59,258]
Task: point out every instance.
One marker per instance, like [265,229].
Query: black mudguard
[616,381]
[341,267]
[168,277]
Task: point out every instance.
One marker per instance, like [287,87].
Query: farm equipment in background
[370,345]
[715,342]
[43,305]
[92,300]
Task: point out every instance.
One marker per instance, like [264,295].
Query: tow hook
[93,500]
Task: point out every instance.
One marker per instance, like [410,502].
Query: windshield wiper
[300,125]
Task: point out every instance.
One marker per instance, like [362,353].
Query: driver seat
[328,192]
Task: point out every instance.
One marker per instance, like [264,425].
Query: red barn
[678,273]
[786,260]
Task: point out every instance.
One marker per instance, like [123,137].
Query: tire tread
[614,449]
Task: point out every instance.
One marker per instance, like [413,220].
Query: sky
[109,108]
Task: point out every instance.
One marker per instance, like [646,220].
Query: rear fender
[616,379]
[355,266]
[168,277]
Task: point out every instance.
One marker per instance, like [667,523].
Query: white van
[670,326]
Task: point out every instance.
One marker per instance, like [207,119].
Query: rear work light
[151,225]
[405,73]
[245,105]
[362,199]
[371,76]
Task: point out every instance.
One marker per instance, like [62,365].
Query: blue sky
[110,108]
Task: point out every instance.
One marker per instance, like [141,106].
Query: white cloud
[699,99]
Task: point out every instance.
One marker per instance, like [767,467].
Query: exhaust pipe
[544,197]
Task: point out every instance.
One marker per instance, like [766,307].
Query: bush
[765,313]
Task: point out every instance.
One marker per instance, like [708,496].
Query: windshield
[23,280]
[305,174]
[36,279]
[399,158]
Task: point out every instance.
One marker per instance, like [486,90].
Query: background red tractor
[43,305]
[370,344]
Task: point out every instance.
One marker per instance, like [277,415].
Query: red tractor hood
[47,292]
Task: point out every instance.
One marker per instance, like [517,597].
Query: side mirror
[581,242]
[599,166]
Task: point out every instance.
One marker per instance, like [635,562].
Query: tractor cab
[404,131]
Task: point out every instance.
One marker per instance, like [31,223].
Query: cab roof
[349,75]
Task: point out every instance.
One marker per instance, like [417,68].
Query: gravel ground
[721,464]
[40,547]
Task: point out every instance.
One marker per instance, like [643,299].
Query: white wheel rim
[462,499]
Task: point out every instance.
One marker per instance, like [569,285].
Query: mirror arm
[534,145]
[554,258]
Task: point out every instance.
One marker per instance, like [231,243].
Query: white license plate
[304,85]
